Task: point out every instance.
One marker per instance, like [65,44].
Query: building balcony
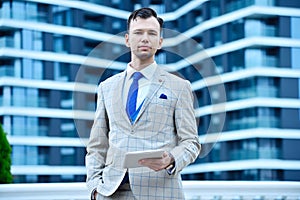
[194,190]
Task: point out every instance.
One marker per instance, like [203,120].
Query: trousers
[123,193]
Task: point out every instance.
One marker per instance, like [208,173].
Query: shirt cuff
[93,197]
[171,168]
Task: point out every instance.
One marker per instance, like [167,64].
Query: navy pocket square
[163,96]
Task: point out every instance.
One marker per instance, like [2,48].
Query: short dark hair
[144,13]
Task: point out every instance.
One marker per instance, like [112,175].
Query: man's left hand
[158,164]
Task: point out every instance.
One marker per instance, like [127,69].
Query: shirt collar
[147,72]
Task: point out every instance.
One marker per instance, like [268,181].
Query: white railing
[194,190]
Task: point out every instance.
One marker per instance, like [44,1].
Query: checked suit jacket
[166,121]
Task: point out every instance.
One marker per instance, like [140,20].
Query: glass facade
[252,54]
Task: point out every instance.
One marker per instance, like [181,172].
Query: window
[253,118]
[24,155]
[43,98]
[67,156]
[61,71]
[214,8]
[255,149]
[61,43]
[68,128]
[218,63]
[62,16]
[216,36]
[43,124]
[253,87]
[261,57]
[236,30]
[236,60]
[31,126]
[67,100]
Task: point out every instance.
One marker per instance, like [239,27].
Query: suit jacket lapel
[119,95]
[156,83]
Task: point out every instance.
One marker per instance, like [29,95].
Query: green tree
[5,159]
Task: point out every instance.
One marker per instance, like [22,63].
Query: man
[157,114]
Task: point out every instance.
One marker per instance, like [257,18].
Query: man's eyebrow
[150,30]
[137,29]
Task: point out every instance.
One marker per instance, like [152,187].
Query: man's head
[144,13]
[144,34]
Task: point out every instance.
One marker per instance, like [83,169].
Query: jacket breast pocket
[160,113]
[164,101]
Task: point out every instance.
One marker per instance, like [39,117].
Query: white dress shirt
[144,82]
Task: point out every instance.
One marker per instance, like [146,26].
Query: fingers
[165,154]
[156,164]
[152,163]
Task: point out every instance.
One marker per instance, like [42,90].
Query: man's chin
[144,55]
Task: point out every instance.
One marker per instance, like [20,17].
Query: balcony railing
[194,190]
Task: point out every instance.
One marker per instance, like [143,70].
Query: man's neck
[138,64]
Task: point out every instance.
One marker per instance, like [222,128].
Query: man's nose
[145,37]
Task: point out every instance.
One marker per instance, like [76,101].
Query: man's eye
[138,32]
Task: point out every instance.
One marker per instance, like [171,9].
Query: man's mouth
[144,47]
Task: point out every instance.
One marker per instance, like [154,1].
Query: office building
[246,81]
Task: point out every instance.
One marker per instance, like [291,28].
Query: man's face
[143,37]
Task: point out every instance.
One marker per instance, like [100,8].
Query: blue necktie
[132,96]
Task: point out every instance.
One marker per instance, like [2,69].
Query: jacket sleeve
[98,144]
[188,147]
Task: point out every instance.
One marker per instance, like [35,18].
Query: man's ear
[127,40]
[160,43]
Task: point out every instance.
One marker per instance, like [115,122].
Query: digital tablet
[131,159]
